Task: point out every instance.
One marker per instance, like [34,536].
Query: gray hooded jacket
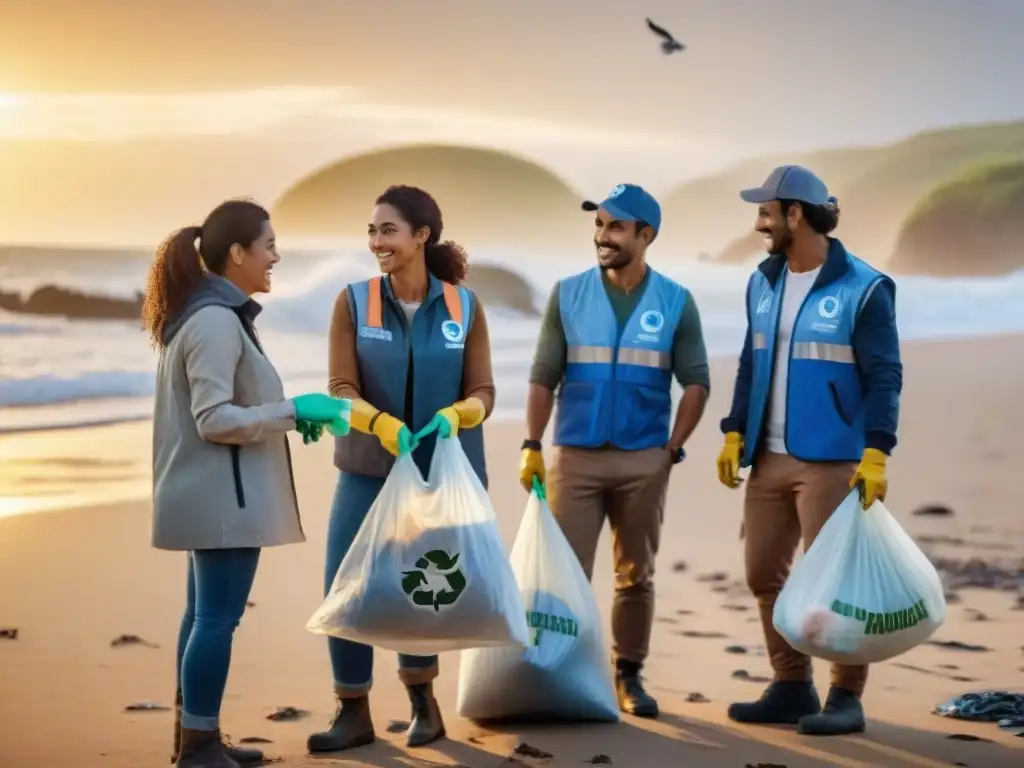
[222,475]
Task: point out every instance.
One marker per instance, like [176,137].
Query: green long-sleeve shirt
[689,355]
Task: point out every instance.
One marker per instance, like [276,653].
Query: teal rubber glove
[316,407]
[311,431]
[538,488]
[407,442]
[441,423]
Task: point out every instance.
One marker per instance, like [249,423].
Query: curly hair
[447,261]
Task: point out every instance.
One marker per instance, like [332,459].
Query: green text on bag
[416,585]
[883,623]
[549,622]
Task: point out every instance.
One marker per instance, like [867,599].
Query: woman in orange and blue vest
[411,349]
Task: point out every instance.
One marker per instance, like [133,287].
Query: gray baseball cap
[789,182]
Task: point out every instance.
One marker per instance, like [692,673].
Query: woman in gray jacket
[222,477]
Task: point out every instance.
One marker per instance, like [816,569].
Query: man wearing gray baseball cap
[814,414]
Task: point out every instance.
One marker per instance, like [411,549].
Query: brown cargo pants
[788,500]
[628,488]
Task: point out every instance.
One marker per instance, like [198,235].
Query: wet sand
[72,581]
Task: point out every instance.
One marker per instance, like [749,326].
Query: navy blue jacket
[876,345]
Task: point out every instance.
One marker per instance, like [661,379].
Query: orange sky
[133,110]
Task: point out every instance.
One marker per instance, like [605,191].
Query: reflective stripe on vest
[617,384]
[648,358]
[824,393]
[813,350]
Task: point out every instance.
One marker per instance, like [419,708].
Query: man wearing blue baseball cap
[611,341]
[814,414]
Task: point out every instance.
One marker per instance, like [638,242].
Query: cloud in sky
[285,113]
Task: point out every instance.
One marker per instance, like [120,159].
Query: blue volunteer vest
[824,398]
[430,351]
[617,388]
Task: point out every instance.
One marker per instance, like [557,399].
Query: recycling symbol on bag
[420,587]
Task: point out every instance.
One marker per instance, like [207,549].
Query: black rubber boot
[426,726]
[238,754]
[351,727]
[629,689]
[841,714]
[783,702]
[203,749]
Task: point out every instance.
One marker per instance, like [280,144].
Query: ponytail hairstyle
[180,266]
[823,219]
[447,261]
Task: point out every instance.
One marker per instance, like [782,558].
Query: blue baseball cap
[789,182]
[629,202]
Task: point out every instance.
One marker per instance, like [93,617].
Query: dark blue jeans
[352,663]
[219,581]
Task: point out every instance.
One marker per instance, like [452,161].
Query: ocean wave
[48,361]
[51,389]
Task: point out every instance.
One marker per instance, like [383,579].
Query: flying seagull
[668,44]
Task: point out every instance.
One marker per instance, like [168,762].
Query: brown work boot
[629,690]
[784,702]
[203,749]
[238,754]
[426,726]
[351,727]
[842,714]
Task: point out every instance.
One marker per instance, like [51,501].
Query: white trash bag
[428,571]
[863,593]
[564,673]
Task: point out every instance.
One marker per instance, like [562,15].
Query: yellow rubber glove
[870,477]
[465,413]
[392,433]
[471,412]
[729,460]
[362,413]
[531,465]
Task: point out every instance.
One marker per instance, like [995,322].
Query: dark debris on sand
[146,706]
[742,674]
[696,633]
[124,640]
[600,760]
[742,650]
[975,573]
[526,750]
[697,698]
[254,740]
[735,607]
[9,633]
[398,726]
[286,714]
[933,510]
[710,578]
[956,645]
[679,566]
[923,671]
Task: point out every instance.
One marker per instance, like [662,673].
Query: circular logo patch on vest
[451,330]
[652,321]
[829,307]
[617,191]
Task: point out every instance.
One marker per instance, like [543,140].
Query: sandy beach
[79,575]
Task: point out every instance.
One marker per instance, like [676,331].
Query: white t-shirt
[797,286]
[409,308]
